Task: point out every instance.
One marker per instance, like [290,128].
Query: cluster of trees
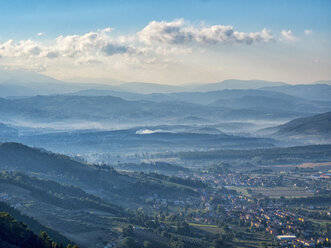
[177,180]
[314,200]
[131,241]
[221,168]
[321,215]
[152,167]
[140,218]
[176,228]
[33,224]
[163,185]
[128,186]
[297,154]
[14,234]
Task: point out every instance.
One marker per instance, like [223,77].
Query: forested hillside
[15,234]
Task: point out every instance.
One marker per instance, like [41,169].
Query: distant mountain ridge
[35,83]
[28,83]
[25,76]
[317,92]
[196,97]
[105,109]
[15,87]
[238,84]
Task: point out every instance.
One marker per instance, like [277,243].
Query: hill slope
[15,234]
[33,224]
[318,92]
[115,110]
[319,125]
[107,183]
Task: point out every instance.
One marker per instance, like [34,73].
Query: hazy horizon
[13,73]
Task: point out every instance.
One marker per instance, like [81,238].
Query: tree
[129,242]
[127,231]
[177,244]
[217,243]
[46,239]
[148,244]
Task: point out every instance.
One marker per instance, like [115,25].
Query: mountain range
[31,100]
[13,87]
[116,111]
[28,83]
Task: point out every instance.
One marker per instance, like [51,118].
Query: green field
[276,192]
[207,228]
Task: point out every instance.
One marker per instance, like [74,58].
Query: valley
[187,169]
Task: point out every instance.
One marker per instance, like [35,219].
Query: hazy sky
[167,41]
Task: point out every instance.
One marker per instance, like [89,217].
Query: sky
[168,42]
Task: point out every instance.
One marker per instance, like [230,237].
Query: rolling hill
[78,199]
[317,125]
[104,182]
[137,140]
[226,105]
[7,132]
[317,92]
[15,234]
[33,224]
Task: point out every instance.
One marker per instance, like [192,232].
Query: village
[261,203]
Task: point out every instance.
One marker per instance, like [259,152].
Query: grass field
[306,165]
[207,228]
[241,190]
[276,192]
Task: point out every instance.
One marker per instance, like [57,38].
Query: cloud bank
[71,46]
[161,51]
[179,32]
[150,38]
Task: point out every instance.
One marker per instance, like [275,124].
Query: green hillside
[15,234]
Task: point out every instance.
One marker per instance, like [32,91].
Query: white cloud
[308,32]
[23,48]
[92,43]
[287,35]
[40,34]
[72,46]
[226,34]
[165,32]
[180,32]
[161,50]
[171,50]
[155,39]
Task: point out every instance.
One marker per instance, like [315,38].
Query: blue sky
[26,17]
[300,31]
